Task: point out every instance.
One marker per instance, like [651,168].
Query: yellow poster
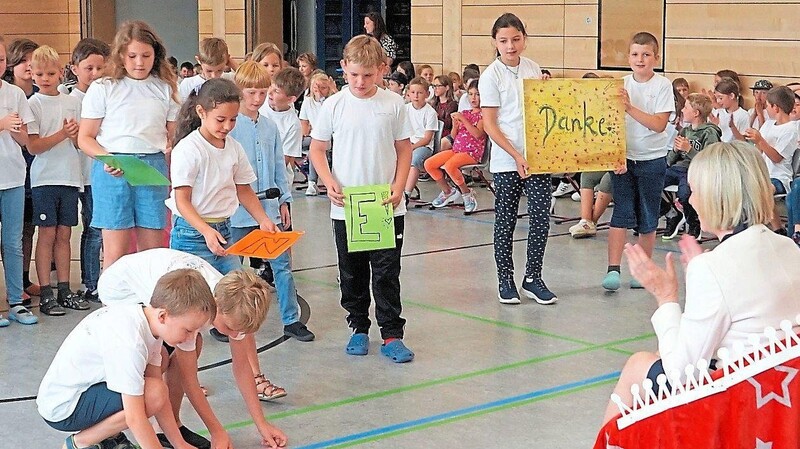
[573,125]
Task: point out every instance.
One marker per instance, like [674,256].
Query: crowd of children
[230,131]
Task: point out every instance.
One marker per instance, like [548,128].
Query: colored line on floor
[463,413]
[436,382]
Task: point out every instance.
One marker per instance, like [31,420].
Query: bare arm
[496,134]
[305,127]
[87,137]
[403,149]
[316,153]
[426,139]
[39,145]
[186,362]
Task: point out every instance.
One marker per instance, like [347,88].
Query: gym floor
[485,375]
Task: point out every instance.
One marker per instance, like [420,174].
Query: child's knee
[156,395]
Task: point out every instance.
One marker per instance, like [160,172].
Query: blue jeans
[793,205]
[184,237]
[91,243]
[284,281]
[12,203]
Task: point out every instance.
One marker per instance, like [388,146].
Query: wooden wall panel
[55,23]
[427,20]
[769,58]
[224,19]
[539,20]
[734,21]
[427,51]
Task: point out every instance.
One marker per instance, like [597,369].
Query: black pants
[509,187]
[354,281]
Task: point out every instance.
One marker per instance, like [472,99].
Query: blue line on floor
[460,412]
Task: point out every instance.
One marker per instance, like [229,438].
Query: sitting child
[592,206]
[468,147]
[119,384]
[397,83]
[777,142]
[690,141]
[424,122]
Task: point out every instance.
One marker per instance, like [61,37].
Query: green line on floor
[436,382]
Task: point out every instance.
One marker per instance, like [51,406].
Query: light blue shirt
[262,144]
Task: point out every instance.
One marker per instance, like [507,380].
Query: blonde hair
[213,51]
[136,30]
[365,51]
[184,291]
[419,81]
[45,55]
[252,75]
[265,49]
[244,298]
[700,103]
[732,186]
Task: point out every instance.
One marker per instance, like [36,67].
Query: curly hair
[136,30]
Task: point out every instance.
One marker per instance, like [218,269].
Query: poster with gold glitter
[573,125]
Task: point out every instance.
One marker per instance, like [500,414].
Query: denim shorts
[419,156]
[184,237]
[637,195]
[95,404]
[55,206]
[117,205]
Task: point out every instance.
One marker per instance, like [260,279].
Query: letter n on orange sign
[265,245]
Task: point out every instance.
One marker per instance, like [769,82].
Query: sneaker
[73,301]
[50,306]
[583,229]
[446,198]
[408,199]
[576,196]
[90,295]
[190,437]
[674,225]
[611,281]
[695,231]
[298,331]
[796,237]
[4,321]
[69,443]
[508,292]
[470,203]
[22,315]
[118,441]
[535,289]
[312,189]
[265,273]
[563,188]
[424,177]
[636,284]
[219,336]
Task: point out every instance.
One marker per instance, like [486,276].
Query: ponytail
[208,95]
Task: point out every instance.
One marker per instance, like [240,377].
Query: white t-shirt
[211,172]
[464,104]
[134,112]
[501,88]
[62,164]
[86,164]
[12,99]
[310,110]
[784,139]
[365,130]
[132,278]
[653,97]
[112,345]
[187,85]
[422,120]
[741,119]
[288,128]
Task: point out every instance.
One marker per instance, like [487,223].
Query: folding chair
[561,219]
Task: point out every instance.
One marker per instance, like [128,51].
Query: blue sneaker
[508,292]
[611,281]
[535,289]
[22,315]
[636,284]
[397,351]
[4,322]
[358,344]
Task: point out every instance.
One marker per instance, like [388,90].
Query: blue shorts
[419,156]
[117,205]
[780,189]
[184,237]
[55,206]
[95,404]
[637,195]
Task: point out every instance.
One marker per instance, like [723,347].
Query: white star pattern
[762,444]
[784,398]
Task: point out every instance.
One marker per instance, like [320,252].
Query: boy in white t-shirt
[214,59]
[425,123]
[286,86]
[372,136]
[242,301]
[649,102]
[55,179]
[777,141]
[106,377]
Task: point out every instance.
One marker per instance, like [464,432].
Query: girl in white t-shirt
[732,119]
[320,89]
[501,107]
[131,112]
[210,176]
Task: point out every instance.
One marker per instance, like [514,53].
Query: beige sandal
[267,391]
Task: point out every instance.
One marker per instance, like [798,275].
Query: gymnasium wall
[225,19]
[47,22]
[756,38]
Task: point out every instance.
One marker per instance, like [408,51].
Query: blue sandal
[70,444]
[358,344]
[4,322]
[22,315]
[397,351]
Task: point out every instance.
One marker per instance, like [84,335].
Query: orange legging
[452,163]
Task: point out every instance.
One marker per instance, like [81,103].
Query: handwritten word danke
[586,124]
